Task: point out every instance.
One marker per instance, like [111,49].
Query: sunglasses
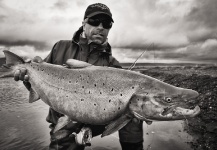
[107,24]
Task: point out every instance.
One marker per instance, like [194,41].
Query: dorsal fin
[72,63]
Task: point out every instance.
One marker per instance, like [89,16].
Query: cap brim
[99,12]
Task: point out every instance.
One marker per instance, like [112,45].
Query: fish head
[163,102]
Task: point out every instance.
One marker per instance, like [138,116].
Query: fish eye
[168,99]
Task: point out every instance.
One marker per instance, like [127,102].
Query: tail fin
[11,59]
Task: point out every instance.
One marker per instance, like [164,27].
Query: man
[88,44]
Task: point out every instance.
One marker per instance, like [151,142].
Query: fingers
[16,75]
[148,122]
[37,59]
[20,74]
[26,78]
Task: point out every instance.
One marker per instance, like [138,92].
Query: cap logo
[100,6]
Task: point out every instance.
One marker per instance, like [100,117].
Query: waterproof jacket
[99,55]
[78,48]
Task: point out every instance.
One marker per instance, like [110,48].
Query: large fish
[102,95]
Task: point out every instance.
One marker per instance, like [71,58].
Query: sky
[169,31]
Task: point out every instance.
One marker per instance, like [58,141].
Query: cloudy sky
[177,30]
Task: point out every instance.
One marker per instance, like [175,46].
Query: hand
[20,74]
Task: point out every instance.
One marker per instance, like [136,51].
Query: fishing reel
[83,137]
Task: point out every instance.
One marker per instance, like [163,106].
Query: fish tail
[12,59]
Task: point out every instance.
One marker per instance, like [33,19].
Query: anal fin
[62,122]
[116,125]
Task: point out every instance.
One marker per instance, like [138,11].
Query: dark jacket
[77,48]
[99,55]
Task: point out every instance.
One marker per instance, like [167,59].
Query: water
[23,126]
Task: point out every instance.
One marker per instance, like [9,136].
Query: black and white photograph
[108,75]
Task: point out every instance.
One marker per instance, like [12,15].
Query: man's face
[97,32]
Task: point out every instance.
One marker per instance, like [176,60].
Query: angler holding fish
[89,44]
[84,94]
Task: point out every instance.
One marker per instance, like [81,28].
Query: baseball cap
[97,8]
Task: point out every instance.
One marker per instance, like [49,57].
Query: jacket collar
[76,39]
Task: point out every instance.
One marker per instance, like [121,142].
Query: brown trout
[102,95]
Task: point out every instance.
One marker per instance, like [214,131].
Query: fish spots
[75,91]
[67,96]
[82,99]
[70,81]
[119,108]
[110,101]
[80,76]
[121,94]
[94,104]
[100,92]
[95,85]
[82,87]
[132,87]
[112,89]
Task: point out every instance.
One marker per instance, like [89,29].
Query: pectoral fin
[33,95]
[72,63]
[117,125]
[62,122]
[62,134]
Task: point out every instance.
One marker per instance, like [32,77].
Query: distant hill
[2,61]
[156,64]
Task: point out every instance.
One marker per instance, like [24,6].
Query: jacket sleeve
[49,58]
[114,63]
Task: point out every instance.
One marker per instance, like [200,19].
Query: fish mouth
[167,110]
[180,112]
[140,117]
[170,113]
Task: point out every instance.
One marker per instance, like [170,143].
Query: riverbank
[203,79]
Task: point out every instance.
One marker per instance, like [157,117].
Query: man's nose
[100,26]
